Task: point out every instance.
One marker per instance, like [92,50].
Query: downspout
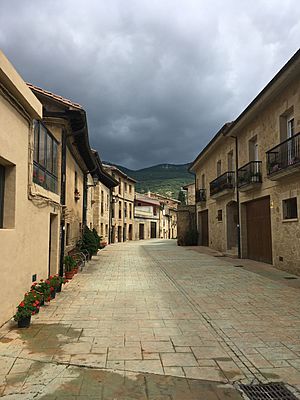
[110,216]
[63,200]
[237,195]
[84,202]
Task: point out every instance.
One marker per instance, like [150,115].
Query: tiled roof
[54,96]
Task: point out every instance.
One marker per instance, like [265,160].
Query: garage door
[259,239]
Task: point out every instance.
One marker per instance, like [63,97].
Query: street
[150,320]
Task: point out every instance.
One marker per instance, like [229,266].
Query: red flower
[33,312]
[22,304]
[49,298]
[52,289]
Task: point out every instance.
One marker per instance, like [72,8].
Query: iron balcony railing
[284,155]
[249,173]
[200,195]
[223,182]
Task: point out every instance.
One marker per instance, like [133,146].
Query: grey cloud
[157,78]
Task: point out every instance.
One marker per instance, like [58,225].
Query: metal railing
[223,182]
[249,173]
[200,195]
[284,155]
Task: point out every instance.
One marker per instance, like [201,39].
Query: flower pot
[75,270]
[24,322]
[52,294]
[69,274]
[58,288]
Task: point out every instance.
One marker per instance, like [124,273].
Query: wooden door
[203,228]
[153,230]
[259,234]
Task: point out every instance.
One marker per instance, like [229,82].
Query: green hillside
[166,179]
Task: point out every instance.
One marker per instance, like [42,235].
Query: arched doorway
[232,223]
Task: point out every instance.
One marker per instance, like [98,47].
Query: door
[141,231]
[130,231]
[119,234]
[153,230]
[290,144]
[259,236]
[203,228]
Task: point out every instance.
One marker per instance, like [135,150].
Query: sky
[157,78]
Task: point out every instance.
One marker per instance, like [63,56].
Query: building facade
[122,206]
[146,217]
[167,215]
[190,194]
[248,178]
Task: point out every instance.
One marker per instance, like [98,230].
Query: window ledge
[290,220]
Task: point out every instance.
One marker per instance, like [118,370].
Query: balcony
[200,195]
[223,185]
[284,159]
[249,176]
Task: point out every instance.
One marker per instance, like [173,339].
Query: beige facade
[45,183]
[266,204]
[167,216]
[190,194]
[25,208]
[122,206]
[146,217]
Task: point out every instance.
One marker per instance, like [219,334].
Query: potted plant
[70,264]
[89,242]
[44,289]
[24,311]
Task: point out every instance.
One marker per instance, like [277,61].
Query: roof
[16,89]
[160,196]
[146,199]
[104,177]
[188,185]
[56,97]
[225,128]
[114,168]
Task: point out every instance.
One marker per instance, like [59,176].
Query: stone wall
[186,224]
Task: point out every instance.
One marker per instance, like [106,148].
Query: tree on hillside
[181,197]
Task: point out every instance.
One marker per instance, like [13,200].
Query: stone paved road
[150,320]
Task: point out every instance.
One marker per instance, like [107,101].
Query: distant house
[190,193]
[167,216]
[146,217]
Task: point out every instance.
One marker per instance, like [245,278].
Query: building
[122,205]
[146,217]
[248,178]
[190,193]
[101,202]
[167,215]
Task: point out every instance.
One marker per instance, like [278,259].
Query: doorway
[119,234]
[53,245]
[153,230]
[141,231]
[232,224]
[130,231]
[203,228]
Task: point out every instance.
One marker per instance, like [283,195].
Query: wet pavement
[150,320]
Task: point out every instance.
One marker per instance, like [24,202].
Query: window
[220,216]
[125,187]
[120,209]
[2,185]
[253,149]
[230,161]
[125,210]
[45,158]
[120,186]
[130,210]
[107,202]
[289,208]
[106,230]
[202,181]
[102,202]
[76,181]
[154,211]
[113,210]
[101,229]
[219,168]
[130,188]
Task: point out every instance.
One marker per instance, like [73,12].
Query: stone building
[167,215]
[146,217]
[248,178]
[190,194]
[122,205]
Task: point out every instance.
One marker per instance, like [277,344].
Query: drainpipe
[237,194]
[110,216]
[84,202]
[63,200]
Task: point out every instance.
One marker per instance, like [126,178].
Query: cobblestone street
[150,320]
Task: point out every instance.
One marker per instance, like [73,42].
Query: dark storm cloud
[157,78]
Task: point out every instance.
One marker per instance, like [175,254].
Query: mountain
[166,179]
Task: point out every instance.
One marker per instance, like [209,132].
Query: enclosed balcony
[284,159]
[249,176]
[200,195]
[223,185]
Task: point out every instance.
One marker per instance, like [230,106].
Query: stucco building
[167,215]
[248,178]
[190,194]
[146,217]
[122,206]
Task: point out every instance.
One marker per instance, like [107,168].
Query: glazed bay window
[45,171]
